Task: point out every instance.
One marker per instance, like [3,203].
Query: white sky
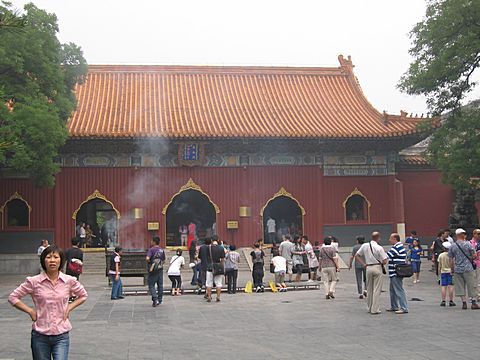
[250,32]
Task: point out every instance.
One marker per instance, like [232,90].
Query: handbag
[381,264]
[404,270]
[471,261]
[215,268]
[75,268]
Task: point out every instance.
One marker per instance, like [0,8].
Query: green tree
[446,52]
[37,77]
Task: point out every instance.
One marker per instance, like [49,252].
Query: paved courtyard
[254,326]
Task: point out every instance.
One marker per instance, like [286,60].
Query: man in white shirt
[285,250]
[271,226]
[375,261]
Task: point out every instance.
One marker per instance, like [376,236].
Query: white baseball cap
[446,244]
[460,231]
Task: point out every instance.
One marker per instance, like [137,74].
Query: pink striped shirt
[51,301]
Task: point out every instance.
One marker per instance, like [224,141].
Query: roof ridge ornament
[346,64]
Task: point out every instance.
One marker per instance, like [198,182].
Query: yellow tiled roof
[229,102]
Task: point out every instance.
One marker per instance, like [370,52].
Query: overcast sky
[251,32]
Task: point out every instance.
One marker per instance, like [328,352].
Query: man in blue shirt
[396,255]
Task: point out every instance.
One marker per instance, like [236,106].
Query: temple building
[168,150]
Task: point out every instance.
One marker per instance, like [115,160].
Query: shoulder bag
[469,259]
[381,264]
[215,268]
[404,270]
[334,263]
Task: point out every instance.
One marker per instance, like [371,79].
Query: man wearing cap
[462,255]
[375,260]
[476,246]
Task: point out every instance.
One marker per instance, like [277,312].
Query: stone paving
[254,326]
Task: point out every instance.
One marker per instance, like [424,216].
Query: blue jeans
[117,290]
[46,346]
[398,299]
[156,279]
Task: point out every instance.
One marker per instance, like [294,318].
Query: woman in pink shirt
[50,291]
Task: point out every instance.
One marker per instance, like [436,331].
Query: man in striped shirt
[396,255]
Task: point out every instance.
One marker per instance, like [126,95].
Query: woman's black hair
[179,252]
[233,247]
[327,241]
[49,250]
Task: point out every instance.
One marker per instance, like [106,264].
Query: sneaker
[156,303]
[464,306]
[401,312]
[392,310]
[451,303]
[365,293]
[310,281]
[262,289]
[257,289]
[475,306]
[327,297]
[332,296]
[360,297]
[442,303]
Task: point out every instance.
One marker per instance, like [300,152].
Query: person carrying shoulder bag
[375,261]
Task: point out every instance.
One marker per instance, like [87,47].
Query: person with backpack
[155,259]
[176,263]
[114,273]
[74,261]
[257,271]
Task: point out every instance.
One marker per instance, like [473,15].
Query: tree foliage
[455,148]
[37,77]
[446,52]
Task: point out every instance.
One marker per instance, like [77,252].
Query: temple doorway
[101,222]
[287,216]
[190,215]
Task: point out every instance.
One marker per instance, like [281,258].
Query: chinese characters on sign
[191,152]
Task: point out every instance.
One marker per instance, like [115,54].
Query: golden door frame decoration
[15,196]
[353,193]
[95,195]
[190,185]
[285,193]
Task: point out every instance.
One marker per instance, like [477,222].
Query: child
[176,262]
[257,273]
[415,252]
[280,268]
[446,274]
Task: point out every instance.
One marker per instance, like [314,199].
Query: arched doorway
[102,218]
[192,210]
[16,212]
[287,215]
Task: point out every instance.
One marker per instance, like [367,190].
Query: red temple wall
[41,201]
[152,188]
[378,190]
[427,202]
